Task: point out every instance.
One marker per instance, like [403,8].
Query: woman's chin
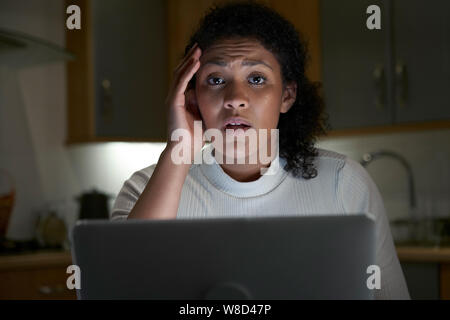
[238,155]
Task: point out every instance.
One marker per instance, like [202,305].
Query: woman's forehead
[230,50]
[235,42]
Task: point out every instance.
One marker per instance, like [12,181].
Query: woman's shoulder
[143,175]
[339,160]
[329,155]
[351,177]
[328,161]
[341,166]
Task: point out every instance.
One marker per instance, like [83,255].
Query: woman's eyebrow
[246,62]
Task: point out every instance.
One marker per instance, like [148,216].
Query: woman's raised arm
[161,197]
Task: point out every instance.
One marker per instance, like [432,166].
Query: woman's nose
[235,96]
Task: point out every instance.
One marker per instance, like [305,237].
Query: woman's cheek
[208,110]
[210,103]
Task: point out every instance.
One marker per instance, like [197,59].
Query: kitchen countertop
[35,259]
[405,253]
[423,254]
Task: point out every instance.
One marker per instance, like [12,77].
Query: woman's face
[240,78]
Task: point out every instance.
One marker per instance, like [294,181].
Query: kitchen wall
[428,153]
[32,109]
[48,174]
[33,126]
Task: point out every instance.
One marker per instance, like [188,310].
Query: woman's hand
[182,104]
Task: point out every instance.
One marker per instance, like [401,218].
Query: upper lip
[236,120]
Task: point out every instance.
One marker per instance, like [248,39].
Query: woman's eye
[254,80]
[215,81]
[259,80]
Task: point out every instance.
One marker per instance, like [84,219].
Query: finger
[189,64]
[195,55]
[174,90]
[191,69]
[186,57]
[176,78]
[179,96]
[177,89]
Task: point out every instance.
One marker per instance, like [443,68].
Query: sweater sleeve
[360,194]
[130,193]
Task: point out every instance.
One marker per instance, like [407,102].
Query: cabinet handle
[48,290]
[106,108]
[380,86]
[401,76]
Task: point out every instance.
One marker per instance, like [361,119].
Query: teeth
[230,124]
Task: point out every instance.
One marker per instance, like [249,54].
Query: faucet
[371,156]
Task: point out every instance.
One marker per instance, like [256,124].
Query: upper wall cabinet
[422,60]
[354,68]
[118,83]
[399,74]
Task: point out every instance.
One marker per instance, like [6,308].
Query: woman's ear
[289,96]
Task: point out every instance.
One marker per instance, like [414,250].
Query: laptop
[238,258]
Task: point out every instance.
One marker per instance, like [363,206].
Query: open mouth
[232,130]
[237,126]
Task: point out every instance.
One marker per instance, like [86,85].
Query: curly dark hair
[306,119]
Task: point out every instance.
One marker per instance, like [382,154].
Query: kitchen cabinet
[396,76]
[117,85]
[422,60]
[354,69]
[426,271]
[39,275]
[422,280]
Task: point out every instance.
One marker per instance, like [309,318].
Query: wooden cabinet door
[422,58]
[129,55]
[35,283]
[354,64]
[422,279]
[117,84]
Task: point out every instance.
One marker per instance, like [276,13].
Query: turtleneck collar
[264,184]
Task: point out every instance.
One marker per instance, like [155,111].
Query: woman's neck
[243,172]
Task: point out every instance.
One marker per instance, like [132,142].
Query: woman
[245,69]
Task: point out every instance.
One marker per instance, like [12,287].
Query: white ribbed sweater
[342,186]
